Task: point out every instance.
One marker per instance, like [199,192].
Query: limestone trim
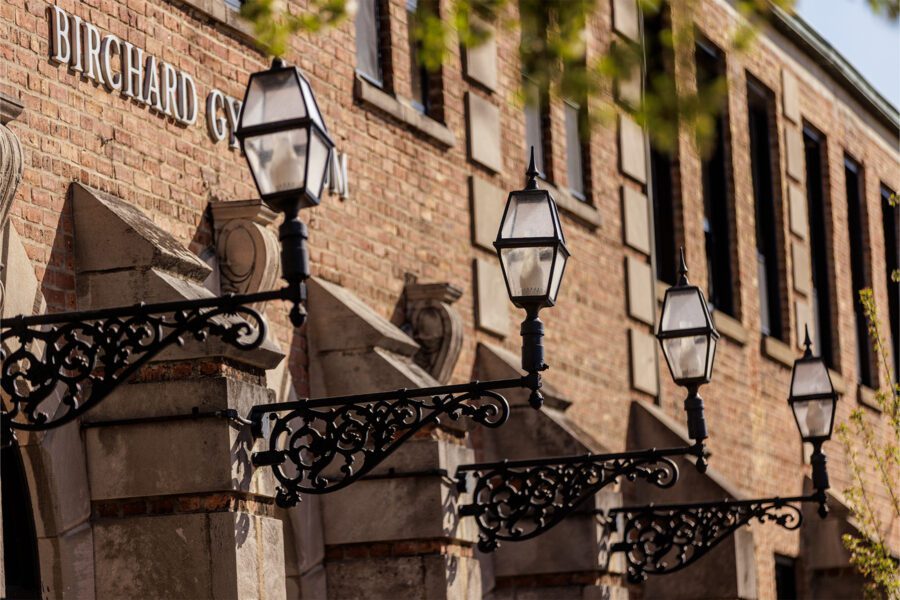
[181,504]
[223,16]
[247,247]
[11,158]
[583,211]
[432,321]
[591,578]
[398,549]
[731,328]
[778,351]
[401,110]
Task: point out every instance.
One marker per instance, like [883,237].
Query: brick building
[118,187]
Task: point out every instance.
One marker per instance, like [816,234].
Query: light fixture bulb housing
[284,138]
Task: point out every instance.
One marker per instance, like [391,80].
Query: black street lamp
[533,254]
[666,538]
[688,340]
[317,446]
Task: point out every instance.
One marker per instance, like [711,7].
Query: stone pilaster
[395,533]
[177,511]
[571,560]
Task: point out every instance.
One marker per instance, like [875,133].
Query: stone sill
[402,110]
[778,351]
[866,397]
[572,206]
[10,108]
[223,15]
[837,380]
[730,328]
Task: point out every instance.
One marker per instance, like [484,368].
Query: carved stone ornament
[11,164]
[246,247]
[435,325]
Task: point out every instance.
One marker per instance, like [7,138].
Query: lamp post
[813,401]
[661,539]
[318,446]
[688,341]
[533,254]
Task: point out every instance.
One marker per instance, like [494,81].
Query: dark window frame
[582,144]
[890,222]
[429,97]
[539,101]
[382,38]
[717,174]
[821,242]
[665,174]
[764,153]
[860,265]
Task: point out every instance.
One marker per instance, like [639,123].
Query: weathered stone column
[395,533]
[177,509]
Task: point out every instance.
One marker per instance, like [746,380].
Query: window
[536,134]
[716,190]
[859,266]
[763,166]
[234,4]
[785,578]
[816,190]
[372,42]
[425,85]
[891,223]
[663,163]
[576,146]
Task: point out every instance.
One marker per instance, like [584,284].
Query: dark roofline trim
[826,56]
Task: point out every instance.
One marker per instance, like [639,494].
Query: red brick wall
[409,208]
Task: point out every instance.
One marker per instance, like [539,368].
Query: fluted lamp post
[688,340]
[813,400]
[533,254]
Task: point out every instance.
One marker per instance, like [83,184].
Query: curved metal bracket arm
[518,500]
[56,367]
[322,445]
[662,539]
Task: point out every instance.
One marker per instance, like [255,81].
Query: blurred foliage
[553,50]
[872,442]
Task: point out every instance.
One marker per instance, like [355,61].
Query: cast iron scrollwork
[663,539]
[518,500]
[321,446]
[56,367]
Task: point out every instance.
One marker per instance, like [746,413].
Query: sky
[869,42]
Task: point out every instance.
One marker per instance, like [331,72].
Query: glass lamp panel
[814,417]
[711,357]
[318,164]
[687,356]
[273,97]
[527,270]
[528,215]
[278,160]
[558,269]
[683,310]
[311,105]
[810,377]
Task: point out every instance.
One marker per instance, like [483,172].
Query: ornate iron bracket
[318,446]
[518,500]
[57,367]
[662,539]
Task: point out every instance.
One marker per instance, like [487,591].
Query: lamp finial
[531,173]
[807,343]
[682,268]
